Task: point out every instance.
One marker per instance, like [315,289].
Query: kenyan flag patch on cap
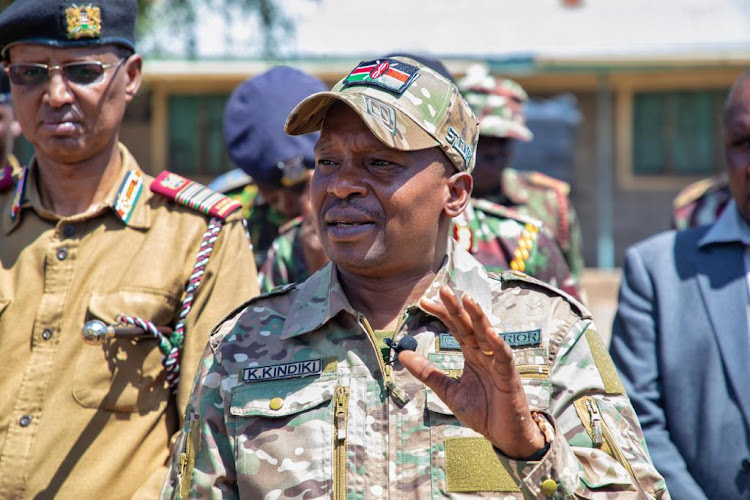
[389,74]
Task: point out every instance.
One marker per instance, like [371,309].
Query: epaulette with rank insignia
[520,276]
[698,189]
[543,180]
[194,195]
[504,212]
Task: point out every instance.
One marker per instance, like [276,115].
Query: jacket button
[549,487]
[276,403]
[62,254]
[25,421]
[69,230]
[47,334]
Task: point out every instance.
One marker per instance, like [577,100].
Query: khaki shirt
[80,421]
[294,400]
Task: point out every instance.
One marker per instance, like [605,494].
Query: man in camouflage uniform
[87,235]
[498,237]
[498,103]
[324,389]
[9,130]
[701,203]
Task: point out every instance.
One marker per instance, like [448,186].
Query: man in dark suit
[681,339]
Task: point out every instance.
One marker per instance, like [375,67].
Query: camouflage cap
[405,104]
[497,102]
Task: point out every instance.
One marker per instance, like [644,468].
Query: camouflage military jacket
[502,239]
[701,202]
[262,220]
[546,198]
[293,400]
[285,262]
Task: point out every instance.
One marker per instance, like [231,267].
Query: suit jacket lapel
[721,277]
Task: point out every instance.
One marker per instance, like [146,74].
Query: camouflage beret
[405,104]
[497,102]
[68,24]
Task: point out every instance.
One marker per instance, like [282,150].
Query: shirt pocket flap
[281,398]
[155,306]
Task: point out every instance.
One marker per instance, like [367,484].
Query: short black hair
[728,103]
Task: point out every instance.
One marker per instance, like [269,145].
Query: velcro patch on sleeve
[604,363]
[472,465]
[194,195]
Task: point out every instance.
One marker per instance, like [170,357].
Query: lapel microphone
[407,343]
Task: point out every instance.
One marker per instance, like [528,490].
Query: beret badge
[84,21]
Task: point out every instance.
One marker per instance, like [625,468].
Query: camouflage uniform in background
[498,237]
[701,202]
[498,104]
[285,261]
[501,239]
[546,199]
[263,221]
[294,399]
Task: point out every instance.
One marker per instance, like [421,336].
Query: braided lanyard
[170,345]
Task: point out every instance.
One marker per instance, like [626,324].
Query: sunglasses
[81,73]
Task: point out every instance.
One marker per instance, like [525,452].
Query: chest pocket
[283,435]
[124,375]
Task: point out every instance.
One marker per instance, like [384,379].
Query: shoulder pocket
[124,375]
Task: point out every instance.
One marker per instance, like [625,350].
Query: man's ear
[458,190]
[133,71]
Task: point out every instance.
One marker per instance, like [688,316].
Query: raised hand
[489,396]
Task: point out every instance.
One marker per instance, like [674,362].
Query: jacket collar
[730,227]
[321,297]
[126,197]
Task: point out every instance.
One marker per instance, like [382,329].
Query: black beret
[68,24]
[254,126]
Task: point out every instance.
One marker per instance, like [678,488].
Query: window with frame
[677,133]
[196,140]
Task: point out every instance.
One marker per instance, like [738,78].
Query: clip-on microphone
[407,343]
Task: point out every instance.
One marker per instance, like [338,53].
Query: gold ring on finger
[488,353]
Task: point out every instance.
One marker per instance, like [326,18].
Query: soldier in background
[86,236]
[277,164]
[9,130]
[498,103]
[701,203]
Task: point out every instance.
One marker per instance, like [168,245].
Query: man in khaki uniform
[402,369]
[86,235]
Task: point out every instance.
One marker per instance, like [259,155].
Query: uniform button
[549,487]
[69,230]
[62,254]
[276,403]
[24,421]
[47,334]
